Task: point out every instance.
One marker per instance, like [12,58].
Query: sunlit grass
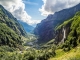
[73,54]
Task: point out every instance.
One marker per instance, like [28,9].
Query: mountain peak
[78,4]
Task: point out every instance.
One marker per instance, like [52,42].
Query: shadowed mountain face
[46,29]
[10,29]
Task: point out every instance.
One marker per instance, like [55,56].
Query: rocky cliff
[62,31]
[69,32]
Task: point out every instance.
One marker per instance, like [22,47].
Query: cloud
[17,8]
[52,6]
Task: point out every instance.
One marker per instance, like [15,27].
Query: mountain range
[46,29]
[56,38]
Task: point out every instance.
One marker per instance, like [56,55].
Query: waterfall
[64,35]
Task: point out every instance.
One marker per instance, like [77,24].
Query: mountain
[46,29]
[62,33]
[28,28]
[69,32]
[11,30]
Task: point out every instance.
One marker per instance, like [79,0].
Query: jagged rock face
[46,29]
[62,34]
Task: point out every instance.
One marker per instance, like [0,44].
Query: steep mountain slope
[10,29]
[72,32]
[7,18]
[70,45]
[27,27]
[46,29]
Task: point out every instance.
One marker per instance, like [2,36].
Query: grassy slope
[11,31]
[7,18]
[73,40]
[8,38]
[73,54]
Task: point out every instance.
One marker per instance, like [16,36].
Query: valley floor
[73,54]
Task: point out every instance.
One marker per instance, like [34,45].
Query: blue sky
[25,10]
[33,11]
[32,8]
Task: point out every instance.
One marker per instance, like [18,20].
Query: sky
[33,11]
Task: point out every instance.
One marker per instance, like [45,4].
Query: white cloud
[52,6]
[17,8]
